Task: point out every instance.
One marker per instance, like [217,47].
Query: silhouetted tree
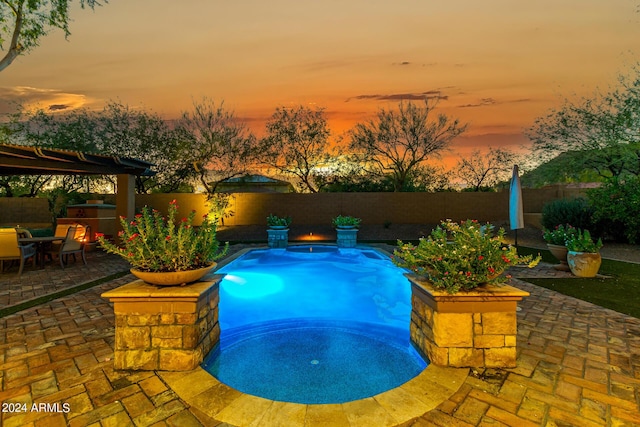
[397,142]
[604,129]
[479,170]
[297,144]
[216,143]
[117,130]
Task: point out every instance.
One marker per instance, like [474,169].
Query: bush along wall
[616,208]
[576,212]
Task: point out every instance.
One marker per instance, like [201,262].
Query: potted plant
[278,231]
[346,222]
[555,240]
[278,223]
[461,256]
[346,230]
[583,254]
[463,315]
[166,251]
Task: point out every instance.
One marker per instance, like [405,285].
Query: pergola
[29,160]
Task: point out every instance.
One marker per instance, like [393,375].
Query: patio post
[125,197]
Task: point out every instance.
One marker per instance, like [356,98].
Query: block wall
[167,339]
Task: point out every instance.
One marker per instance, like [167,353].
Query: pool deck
[578,365]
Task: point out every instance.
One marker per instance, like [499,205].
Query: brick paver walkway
[36,282]
[578,365]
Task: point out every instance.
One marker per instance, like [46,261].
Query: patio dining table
[41,244]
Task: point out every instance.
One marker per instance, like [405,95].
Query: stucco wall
[310,209]
[27,212]
[373,208]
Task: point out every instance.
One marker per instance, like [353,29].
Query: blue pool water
[314,325]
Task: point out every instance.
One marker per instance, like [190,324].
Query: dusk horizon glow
[496,65]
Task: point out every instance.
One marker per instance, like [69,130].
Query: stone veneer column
[278,238]
[469,329]
[168,328]
[347,237]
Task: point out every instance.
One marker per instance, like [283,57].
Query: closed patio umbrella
[516,216]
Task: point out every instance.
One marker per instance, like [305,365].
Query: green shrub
[576,212]
[277,221]
[461,256]
[616,206]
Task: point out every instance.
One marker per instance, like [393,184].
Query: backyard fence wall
[320,208]
[25,211]
[373,208]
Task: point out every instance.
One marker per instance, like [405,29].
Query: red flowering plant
[461,256]
[154,243]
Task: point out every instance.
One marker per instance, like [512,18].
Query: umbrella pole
[516,230]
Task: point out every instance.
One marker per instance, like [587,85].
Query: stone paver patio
[578,365]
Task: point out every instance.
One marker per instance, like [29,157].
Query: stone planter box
[278,237]
[347,237]
[469,329]
[165,328]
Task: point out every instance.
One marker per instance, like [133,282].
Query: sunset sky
[496,64]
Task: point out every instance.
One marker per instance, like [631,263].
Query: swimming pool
[314,324]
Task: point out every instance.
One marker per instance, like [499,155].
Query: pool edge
[421,394]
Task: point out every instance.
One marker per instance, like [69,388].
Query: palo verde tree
[217,145]
[479,171]
[396,142]
[297,144]
[132,132]
[24,22]
[603,130]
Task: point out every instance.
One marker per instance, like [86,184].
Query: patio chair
[23,233]
[10,249]
[61,230]
[73,243]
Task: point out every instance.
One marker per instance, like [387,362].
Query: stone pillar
[168,328]
[347,237]
[125,197]
[278,238]
[469,329]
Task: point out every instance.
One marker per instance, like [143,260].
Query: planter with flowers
[166,327]
[347,230]
[556,240]
[583,254]
[278,231]
[463,313]
[165,251]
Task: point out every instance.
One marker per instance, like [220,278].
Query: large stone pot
[347,236]
[584,264]
[468,329]
[172,278]
[278,236]
[560,252]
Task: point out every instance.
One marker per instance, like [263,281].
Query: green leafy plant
[582,242]
[346,221]
[559,234]
[616,206]
[154,243]
[461,256]
[277,221]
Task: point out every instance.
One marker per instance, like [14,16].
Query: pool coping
[421,394]
[241,252]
